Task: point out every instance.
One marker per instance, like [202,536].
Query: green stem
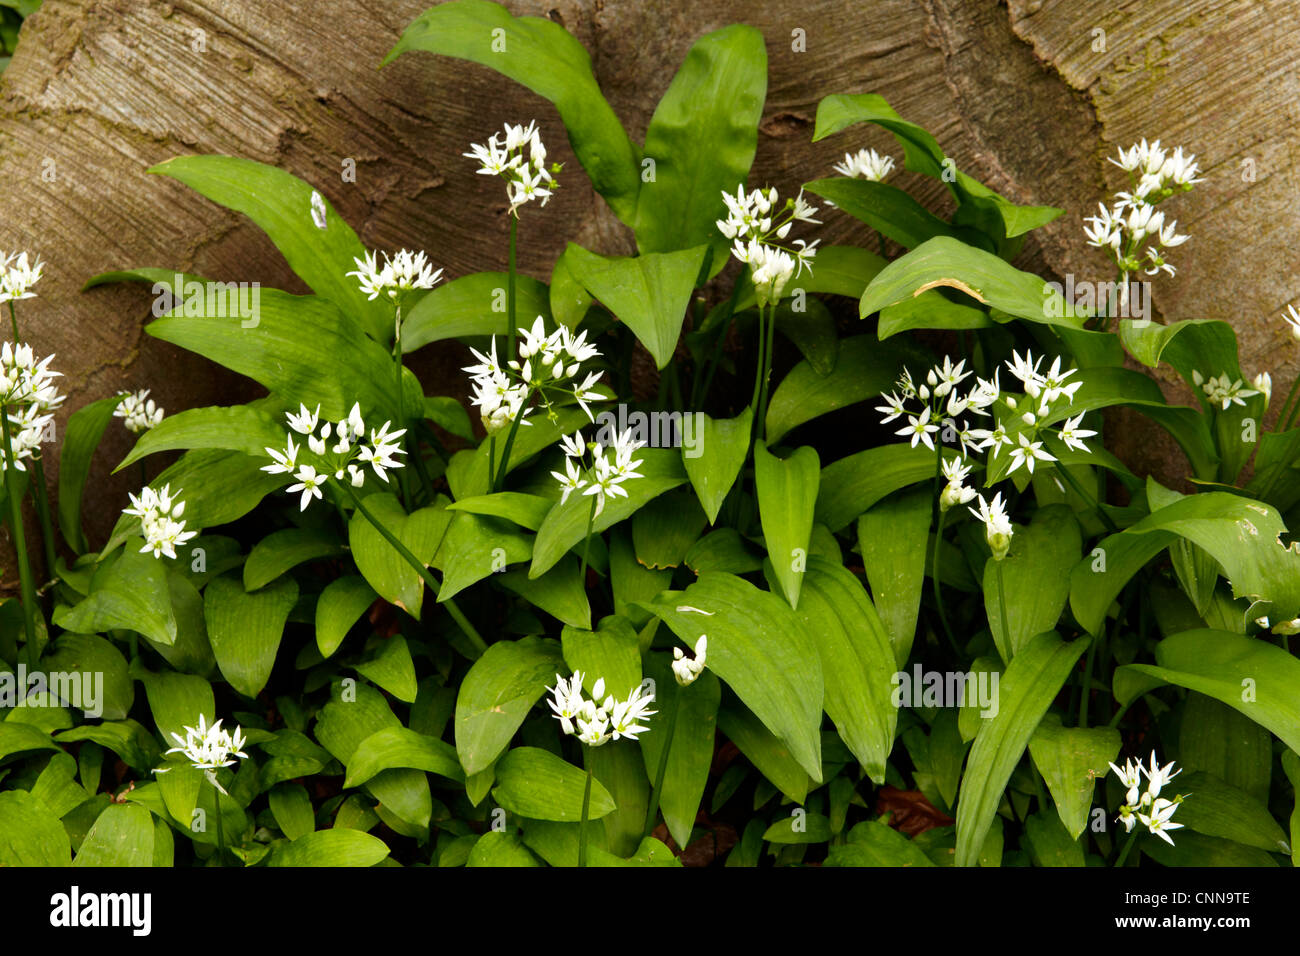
[699,396]
[510,289]
[13,320]
[504,465]
[20,538]
[43,515]
[397,385]
[1087,681]
[758,378]
[652,811]
[221,827]
[880,238]
[1002,604]
[934,575]
[1078,489]
[419,568]
[767,371]
[586,544]
[582,827]
[1284,419]
[1128,845]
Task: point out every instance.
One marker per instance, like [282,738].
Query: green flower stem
[1002,600]
[221,826]
[1128,845]
[510,289]
[758,378]
[582,827]
[456,613]
[880,238]
[20,539]
[700,393]
[498,480]
[586,543]
[1087,681]
[652,811]
[1285,420]
[1078,489]
[934,577]
[43,515]
[397,385]
[13,320]
[761,411]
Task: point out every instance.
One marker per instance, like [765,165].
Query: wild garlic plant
[1146,806]
[160,513]
[210,748]
[598,473]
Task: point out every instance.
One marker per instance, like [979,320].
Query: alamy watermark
[922,688]
[1109,298]
[225,300]
[684,430]
[83,690]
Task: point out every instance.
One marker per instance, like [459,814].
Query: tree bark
[1021,94]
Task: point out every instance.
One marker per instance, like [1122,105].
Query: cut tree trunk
[1028,96]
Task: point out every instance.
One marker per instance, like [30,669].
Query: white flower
[892,408]
[865,164]
[624,719]
[1221,390]
[997,526]
[757,239]
[318,210]
[284,461]
[1292,318]
[1287,627]
[1107,229]
[955,491]
[1027,454]
[209,748]
[1151,809]
[18,276]
[1157,821]
[1263,383]
[1130,777]
[920,428]
[686,670]
[527,178]
[1073,435]
[304,423]
[402,272]
[309,483]
[138,410]
[159,513]
[1158,776]
[570,481]
[597,723]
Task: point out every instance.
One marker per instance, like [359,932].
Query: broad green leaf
[97,667]
[610,653]
[857,661]
[281,205]
[664,530]
[1218,740]
[1219,809]
[500,849]
[475,546]
[886,209]
[467,472]
[527,511]
[547,59]
[787,492]
[761,650]
[57,788]
[630,581]
[1070,760]
[339,606]
[449,414]
[702,139]
[944,262]
[391,668]
[720,454]
[30,835]
[569,301]
[872,843]
[473,305]
[282,550]
[799,827]
[767,752]
[243,428]
[892,538]
[1291,766]
[649,293]
[400,747]
[333,847]
[852,485]
[559,592]
[722,550]
[1049,843]
[691,753]
[618,767]
[930,310]
[811,328]
[1031,681]
[1257,679]
[291,807]
[379,562]
[864,369]
[535,783]
[1196,849]
[497,693]
[566,524]
[245,629]
[1036,576]
[126,738]
[80,439]
[122,836]
[131,594]
[17,738]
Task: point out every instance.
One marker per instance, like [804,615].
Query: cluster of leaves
[379,731]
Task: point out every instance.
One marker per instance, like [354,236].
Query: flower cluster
[1223,391]
[1133,231]
[548,367]
[1292,319]
[605,475]
[865,164]
[687,670]
[28,396]
[159,513]
[18,275]
[1149,808]
[400,273]
[138,410]
[526,179]
[757,238]
[997,525]
[597,724]
[342,457]
[209,748]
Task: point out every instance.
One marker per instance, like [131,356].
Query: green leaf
[449,414]
[1195,849]
[1216,739]
[950,263]
[546,58]
[244,428]
[30,835]
[333,847]
[379,562]
[399,747]
[649,293]
[664,530]
[339,606]
[864,369]
[611,653]
[500,849]
[131,594]
[760,649]
[787,491]
[281,205]
[766,751]
[472,305]
[892,537]
[126,738]
[930,310]
[800,827]
[16,738]
[391,668]
[559,592]
[721,447]
[566,524]
[1049,843]
[282,550]
[535,783]
[1256,679]
[1218,809]
[722,550]
[687,772]
[1031,681]
[872,843]
[1070,760]
[702,139]
[1036,575]
[101,673]
[121,836]
[857,661]
[245,629]
[85,428]
[853,484]
[886,209]
[527,511]
[291,807]
[467,472]
[497,693]
[618,767]
[474,547]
